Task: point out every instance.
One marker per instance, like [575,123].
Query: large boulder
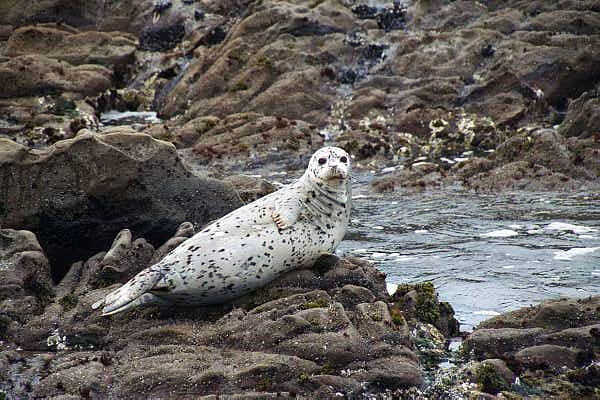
[114,49]
[77,194]
[34,75]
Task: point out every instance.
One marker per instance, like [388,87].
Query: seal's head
[329,166]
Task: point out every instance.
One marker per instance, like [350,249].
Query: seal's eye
[343,159]
[322,161]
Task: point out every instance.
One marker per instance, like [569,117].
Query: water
[114,117]
[486,254]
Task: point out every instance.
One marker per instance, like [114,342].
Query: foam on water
[566,227]
[490,313]
[500,233]
[574,252]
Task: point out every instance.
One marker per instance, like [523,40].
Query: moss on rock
[68,302]
[489,379]
[318,303]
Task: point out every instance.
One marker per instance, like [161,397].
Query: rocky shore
[331,329]
[326,332]
[489,96]
[494,95]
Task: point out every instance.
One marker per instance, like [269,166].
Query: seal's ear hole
[322,160]
[344,159]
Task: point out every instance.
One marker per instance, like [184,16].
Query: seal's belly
[215,268]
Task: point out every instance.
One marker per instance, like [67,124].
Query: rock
[501,369]
[494,343]
[25,282]
[420,302]
[588,376]
[114,50]
[31,75]
[351,295]
[493,376]
[522,175]
[582,117]
[162,38]
[551,347]
[84,190]
[585,337]
[553,315]
[551,357]
[389,372]
[185,231]
[419,176]
[291,336]
[540,159]
[249,188]
[276,142]
[126,16]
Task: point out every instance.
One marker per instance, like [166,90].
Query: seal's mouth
[336,177]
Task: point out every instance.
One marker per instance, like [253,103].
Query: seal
[249,247]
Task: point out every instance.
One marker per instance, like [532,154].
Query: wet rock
[588,376]
[420,302]
[305,27]
[364,11]
[551,357]
[551,347]
[556,315]
[392,18]
[387,19]
[494,343]
[162,5]
[493,376]
[420,176]
[84,190]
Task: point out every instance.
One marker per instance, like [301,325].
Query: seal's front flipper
[286,213]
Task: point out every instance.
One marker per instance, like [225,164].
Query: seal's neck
[325,199]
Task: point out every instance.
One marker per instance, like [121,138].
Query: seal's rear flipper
[146,298]
[131,294]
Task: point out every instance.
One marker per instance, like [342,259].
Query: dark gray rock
[83,191]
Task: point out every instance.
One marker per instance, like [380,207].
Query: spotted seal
[251,246]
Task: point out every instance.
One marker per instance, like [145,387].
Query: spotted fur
[252,245]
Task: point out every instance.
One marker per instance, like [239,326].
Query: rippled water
[485,253]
